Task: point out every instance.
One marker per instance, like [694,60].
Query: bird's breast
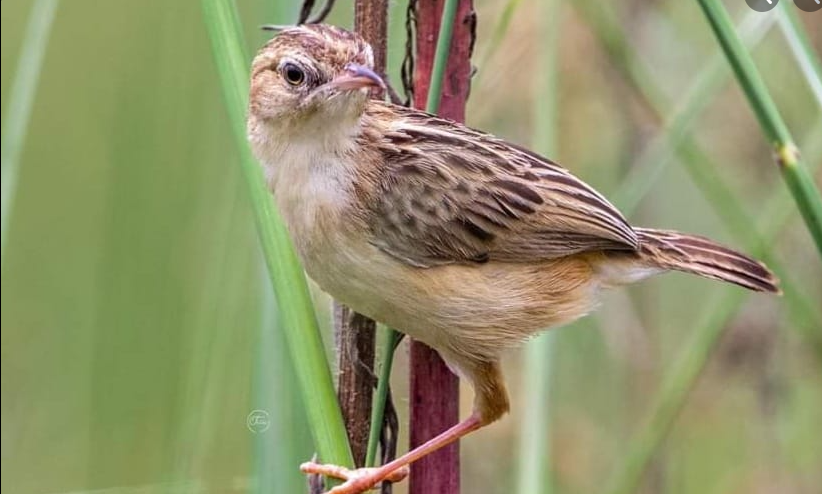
[312,190]
[465,309]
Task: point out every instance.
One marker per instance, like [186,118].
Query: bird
[453,236]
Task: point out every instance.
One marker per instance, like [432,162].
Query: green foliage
[800,183]
[296,311]
[139,327]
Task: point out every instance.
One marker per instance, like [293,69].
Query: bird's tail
[668,250]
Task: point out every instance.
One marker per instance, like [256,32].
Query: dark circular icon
[809,5]
[763,5]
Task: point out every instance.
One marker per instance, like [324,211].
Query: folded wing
[452,194]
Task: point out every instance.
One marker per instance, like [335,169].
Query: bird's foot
[355,481]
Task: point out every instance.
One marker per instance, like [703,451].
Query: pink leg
[363,479]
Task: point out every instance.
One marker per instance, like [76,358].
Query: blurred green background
[138,331]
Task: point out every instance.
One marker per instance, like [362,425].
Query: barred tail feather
[698,255]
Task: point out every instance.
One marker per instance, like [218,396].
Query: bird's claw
[355,481]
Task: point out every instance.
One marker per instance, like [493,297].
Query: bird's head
[311,73]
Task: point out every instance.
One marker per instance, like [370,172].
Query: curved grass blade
[676,139]
[296,311]
[800,183]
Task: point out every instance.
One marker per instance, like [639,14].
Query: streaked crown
[289,69]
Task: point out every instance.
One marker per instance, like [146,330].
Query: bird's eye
[293,74]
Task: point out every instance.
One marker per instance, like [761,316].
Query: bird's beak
[356,77]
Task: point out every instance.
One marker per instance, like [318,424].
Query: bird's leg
[490,403]
[362,479]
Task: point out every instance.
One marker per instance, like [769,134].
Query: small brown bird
[458,238]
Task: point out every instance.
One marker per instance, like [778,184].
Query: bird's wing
[448,194]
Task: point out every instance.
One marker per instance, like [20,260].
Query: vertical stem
[21,98]
[371,22]
[434,389]
[355,332]
[434,408]
[296,311]
[535,428]
[354,335]
[446,32]
[389,339]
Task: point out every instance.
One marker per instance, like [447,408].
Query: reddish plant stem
[371,22]
[434,388]
[355,332]
[434,408]
[354,335]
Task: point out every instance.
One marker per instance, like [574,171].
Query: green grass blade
[21,98]
[743,66]
[389,339]
[685,371]
[677,139]
[690,364]
[679,120]
[804,190]
[535,455]
[449,12]
[296,312]
[288,442]
[802,49]
[737,219]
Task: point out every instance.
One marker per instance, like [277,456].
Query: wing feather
[447,193]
